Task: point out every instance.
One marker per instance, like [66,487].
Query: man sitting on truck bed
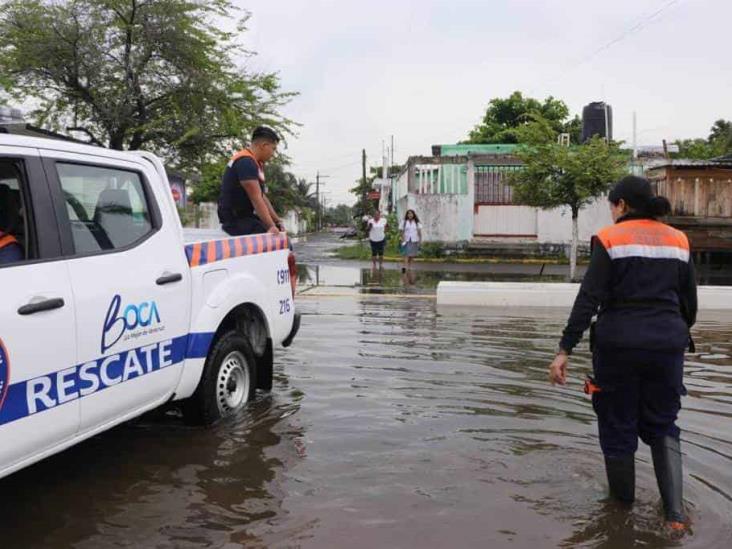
[243,205]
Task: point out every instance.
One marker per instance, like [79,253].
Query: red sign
[374,195]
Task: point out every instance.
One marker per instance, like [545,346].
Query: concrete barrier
[527,294]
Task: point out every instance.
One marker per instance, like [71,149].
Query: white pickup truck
[105,311]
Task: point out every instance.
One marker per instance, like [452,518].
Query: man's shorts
[377,248]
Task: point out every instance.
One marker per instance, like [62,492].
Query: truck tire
[228,383]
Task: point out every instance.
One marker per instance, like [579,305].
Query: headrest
[113,201]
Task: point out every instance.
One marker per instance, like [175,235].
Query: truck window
[14,241]
[107,207]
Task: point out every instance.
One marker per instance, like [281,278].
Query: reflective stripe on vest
[644,238]
[6,240]
[248,154]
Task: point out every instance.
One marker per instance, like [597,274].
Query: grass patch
[435,253]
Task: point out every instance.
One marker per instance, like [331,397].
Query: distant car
[351,232]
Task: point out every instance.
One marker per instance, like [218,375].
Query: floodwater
[392,423]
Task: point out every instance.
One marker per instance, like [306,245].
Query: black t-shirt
[234,201]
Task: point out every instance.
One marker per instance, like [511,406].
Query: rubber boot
[666,454]
[621,477]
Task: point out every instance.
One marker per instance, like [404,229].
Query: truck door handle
[169,279]
[40,306]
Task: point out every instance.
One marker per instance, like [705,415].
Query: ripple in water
[392,424]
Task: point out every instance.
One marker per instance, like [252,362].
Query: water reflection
[157,483]
[424,277]
[391,424]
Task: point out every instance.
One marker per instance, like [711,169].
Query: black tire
[222,391]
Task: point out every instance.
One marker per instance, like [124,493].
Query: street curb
[525,294]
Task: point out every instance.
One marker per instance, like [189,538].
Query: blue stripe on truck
[199,344]
[46,392]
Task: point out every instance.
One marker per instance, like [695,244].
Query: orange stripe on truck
[202,253]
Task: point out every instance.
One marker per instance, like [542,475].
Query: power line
[640,25]
[635,28]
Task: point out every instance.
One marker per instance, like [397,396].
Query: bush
[432,250]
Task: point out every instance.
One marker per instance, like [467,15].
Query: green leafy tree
[209,186]
[555,176]
[721,132]
[340,215]
[719,143]
[697,149]
[505,117]
[284,190]
[364,205]
[132,74]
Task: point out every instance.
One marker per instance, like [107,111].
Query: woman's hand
[558,369]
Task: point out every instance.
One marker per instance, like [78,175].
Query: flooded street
[392,423]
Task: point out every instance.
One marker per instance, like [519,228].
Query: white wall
[506,220]
[294,224]
[555,226]
[444,217]
[209,218]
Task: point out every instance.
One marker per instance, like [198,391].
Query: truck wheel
[229,381]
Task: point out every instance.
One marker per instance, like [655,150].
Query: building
[700,192]
[462,196]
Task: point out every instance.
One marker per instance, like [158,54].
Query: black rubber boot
[666,454]
[621,477]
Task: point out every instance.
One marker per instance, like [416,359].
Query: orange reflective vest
[249,154]
[644,238]
[6,240]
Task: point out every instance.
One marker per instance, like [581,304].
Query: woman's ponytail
[659,206]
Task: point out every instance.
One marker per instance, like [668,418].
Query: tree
[133,74]
[721,131]
[341,215]
[697,149]
[505,116]
[555,176]
[284,190]
[364,205]
[719,143]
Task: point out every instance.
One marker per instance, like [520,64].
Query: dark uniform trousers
[244,226]
[640,397]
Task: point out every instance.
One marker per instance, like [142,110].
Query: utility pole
[391,180]
[317,199]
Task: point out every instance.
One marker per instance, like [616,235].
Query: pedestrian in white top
[411,236]
[377,235]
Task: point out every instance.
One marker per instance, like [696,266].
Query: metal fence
[492,185]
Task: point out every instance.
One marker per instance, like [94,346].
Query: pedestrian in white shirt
[377,235]
[411,236]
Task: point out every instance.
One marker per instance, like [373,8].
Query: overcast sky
[425,70]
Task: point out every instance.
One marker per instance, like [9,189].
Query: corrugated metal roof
[692,163]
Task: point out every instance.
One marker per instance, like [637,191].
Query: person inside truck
[243,204]
[11,250]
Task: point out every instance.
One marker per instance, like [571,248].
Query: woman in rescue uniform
[640,283]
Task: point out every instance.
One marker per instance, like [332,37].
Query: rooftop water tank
[593,121]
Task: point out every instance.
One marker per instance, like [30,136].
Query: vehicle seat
[113,215]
